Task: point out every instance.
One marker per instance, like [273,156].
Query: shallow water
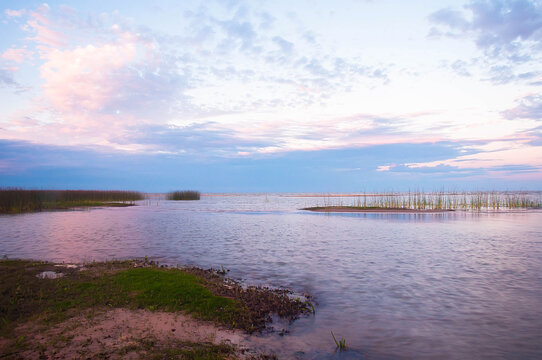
[448,286]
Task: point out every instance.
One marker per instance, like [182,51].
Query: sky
[271,96]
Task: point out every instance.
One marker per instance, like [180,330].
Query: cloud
[117,84]
[519,155]
[240,32]
[384,167]
[454,19]
[41,28]
[202,140]
[35,165]
[286,46]
[501,23]
[504,74]
[530,107]
[92,92]
[499,27]
[267,20]
[461,68]
[14,13]
[7,79]
[243,43]
[92,78]
[16,55]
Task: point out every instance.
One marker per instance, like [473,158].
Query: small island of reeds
[421,202]
[14,200]
[184,195]
[371,209]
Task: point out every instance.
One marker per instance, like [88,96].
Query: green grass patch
[173,290]
[23,295]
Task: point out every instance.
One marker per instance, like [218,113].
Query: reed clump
[184,195]
[14,200]
[445,200]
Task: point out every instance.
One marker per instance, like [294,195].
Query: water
[447,286]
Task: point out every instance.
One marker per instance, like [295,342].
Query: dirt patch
[123,334]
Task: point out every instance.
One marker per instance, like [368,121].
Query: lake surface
[448,286]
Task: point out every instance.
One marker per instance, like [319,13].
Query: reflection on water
[451,286]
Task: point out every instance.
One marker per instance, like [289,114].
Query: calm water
[446,286]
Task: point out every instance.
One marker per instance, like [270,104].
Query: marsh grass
[184,195]
[443,200]
[20,200]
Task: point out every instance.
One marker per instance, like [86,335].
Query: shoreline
[135,308]
[71,206]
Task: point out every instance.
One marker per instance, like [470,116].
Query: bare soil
[123,334]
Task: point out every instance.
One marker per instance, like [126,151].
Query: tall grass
[445,200]
[14,200]
[184,195]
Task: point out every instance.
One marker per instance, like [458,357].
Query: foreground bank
[132,309]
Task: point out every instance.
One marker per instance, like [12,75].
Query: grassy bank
[96,287]
[184,195]
[14,201]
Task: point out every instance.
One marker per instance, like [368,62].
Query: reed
[444,200]
[341,344]
[14,200]
[184,195]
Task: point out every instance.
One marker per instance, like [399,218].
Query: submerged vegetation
[20,200]
[422,201]
[184,195]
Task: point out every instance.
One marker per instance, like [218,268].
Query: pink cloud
[14,13]
[86,78]
[40,24]
[16,55]
[94,93]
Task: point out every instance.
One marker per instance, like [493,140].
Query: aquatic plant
[311,306]
[341,344]
[443,200]
[15,200]
[184,195]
